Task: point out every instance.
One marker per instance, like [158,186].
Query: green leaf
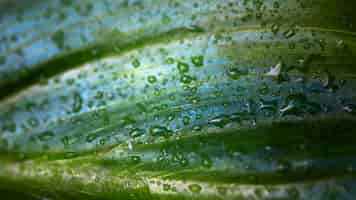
[250,99]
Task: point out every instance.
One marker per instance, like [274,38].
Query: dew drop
[136,63]
[46,135]
[159,131]
[195,188]
[152,79]
[135,159]
[198,61]
[136,132]
[182,67]
[235,73]
[77,102]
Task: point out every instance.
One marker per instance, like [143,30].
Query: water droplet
[220,121]
[159,131]
[102,141]
[170,117]
[184,162]
[33,122]
[235,73]
[186,120]
[127,120]
[268,104]
[58,38]
[264,89]
[166,19]
[350,108]
[46,135]
[136,63]
[195,100]
[169,61]
[289,33]
[182,67]
[65,140]
[135,159]
[275,28]
[206,162]
[197,128]
[152,79]
[77,102]
[329,81]
[99,95]
[91,137]
[297,104]
[195,188]
[198,61]
[186,79]
[136,132]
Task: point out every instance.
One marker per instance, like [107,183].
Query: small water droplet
[220,121]
[46,135]
[350,108]
[159,131]
[186,120]
[135,159]
[198,61]
[136,132]
[182,67]
[206,162]
[33,122]
[186,79]
[77,102]
[152,79]
[195,188]
[166,19]
[235,73]
[275,28]
[289,33]
[169,61]
[136,63]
